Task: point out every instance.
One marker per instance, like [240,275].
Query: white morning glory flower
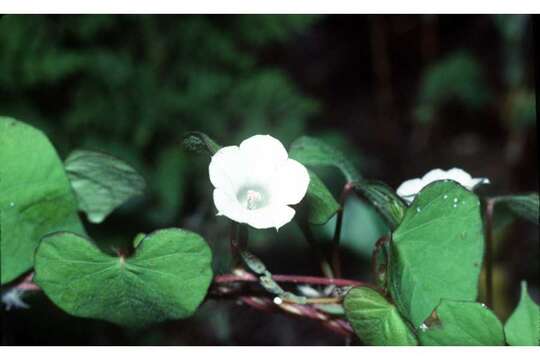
[410,188]
[256,181]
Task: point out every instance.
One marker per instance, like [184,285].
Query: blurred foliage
[457,77]
[460,76]
[132,85]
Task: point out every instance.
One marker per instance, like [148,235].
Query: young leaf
[199,142]
[523,326]
[101,182]
[462,323]
[166,278]
[375,320]
[525,206]
[320,204]
[384,199]
[436,252]
[35,196]
[314,152]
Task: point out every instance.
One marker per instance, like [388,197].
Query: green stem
[326,268]
[235,250]
[489,251]
[336,263]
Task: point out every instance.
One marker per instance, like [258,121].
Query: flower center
[252,197]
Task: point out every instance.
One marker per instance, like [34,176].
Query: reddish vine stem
[296,279]
[27,284]
[336,262]
[339,326]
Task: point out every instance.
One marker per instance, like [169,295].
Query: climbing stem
[336,262]
[489,251]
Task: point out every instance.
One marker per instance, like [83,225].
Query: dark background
[399,94]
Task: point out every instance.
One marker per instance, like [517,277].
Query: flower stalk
[490,204]
[336,262]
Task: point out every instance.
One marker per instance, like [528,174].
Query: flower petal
[479,181]
[409,189]
[291,182]
[273,216]
[227,169]
[264,151]
[434,175]
[229,206]
[460,176]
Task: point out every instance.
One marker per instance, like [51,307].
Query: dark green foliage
[458,77]
[133,85]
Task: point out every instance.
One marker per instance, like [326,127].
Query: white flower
[410,188]
[256,181]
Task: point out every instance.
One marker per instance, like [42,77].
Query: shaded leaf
[525,206]
[436,252]
[462,323]
[523,326]
[101,182]
[314,152]
[35,196]
[384,199]
[199,142]
[375,320]
[320,204]
[167,277]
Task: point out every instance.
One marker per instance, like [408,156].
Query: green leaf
[384,199]
[35,196]
[101,182]
[199,142]
[436,252]
[320,204]
[375,320]
[313,152]
[525,206]
[523,326]
[462,323]
[167,277]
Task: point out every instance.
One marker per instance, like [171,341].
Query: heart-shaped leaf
[166,278]
[384,199]
[320,204]
[101,182]
[314,152]
[375,320]
[436,252]
[462,323]
[35,196]
[523,326]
